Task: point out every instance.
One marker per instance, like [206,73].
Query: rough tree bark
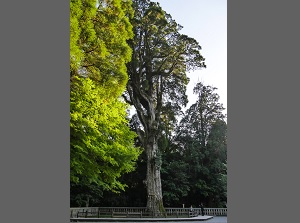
[153,179]
[149,138]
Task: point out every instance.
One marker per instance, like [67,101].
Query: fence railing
[170,212]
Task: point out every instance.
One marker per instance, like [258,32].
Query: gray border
[263,115]
[34,120]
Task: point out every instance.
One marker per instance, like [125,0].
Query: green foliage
[113,30]
[175,181]
[101,142]
[82,32]
[85,195]
[76,55]
[99,31]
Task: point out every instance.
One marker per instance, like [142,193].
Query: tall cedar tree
[157,79]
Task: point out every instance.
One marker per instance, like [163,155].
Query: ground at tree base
[209,219]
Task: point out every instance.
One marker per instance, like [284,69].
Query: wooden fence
[101,212]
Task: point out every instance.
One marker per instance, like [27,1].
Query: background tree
[157,79]
[175,180]
[201,134]
[102,144]
[217,146]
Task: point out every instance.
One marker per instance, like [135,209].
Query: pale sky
[205,21]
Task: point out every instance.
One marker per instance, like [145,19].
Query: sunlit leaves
[99,31]
[101,141]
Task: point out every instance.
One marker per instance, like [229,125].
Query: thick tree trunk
[153,180]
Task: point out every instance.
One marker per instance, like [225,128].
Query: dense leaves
[101,142]
[99,31]
[175,180]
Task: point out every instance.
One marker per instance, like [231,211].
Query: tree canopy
[99,31]
[101,142]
